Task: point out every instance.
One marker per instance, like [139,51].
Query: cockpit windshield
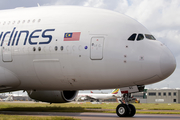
[151,37]
[132,37]
[140,37]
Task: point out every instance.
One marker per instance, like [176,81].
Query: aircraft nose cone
[167,63]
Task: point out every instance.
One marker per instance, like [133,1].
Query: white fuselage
[35,56]
[97,96]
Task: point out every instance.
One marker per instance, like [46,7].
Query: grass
[20,117]
[37,107]
[162,106]
[45,107]
[89,107]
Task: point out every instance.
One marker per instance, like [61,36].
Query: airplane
[9,98]
[98,97]
[52,52]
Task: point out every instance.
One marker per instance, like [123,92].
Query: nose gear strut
[125,109]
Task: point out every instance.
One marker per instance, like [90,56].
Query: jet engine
[53,96]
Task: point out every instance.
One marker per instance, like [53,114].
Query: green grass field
[79,107]
[157,106]
[20,117]
[89,107]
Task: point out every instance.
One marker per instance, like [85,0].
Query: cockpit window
[132,37]
[140,37]
[151,37]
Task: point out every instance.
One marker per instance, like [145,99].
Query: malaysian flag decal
[74,36]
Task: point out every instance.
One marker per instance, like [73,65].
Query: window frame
[152,93]
[132,36]
[149,37]
[139,39]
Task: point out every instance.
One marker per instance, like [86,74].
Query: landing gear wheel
[132,111]
[122,110]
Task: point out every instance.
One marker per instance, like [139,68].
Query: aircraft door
[6,52]
[97,44]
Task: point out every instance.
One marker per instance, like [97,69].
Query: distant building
[17,98]
[22,98]
[163,96]
[140,96]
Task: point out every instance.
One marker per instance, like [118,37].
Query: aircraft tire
[122,110]
[132,111]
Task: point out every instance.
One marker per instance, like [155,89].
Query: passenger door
[6,52]
[97,44]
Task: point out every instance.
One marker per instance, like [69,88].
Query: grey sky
[160,17]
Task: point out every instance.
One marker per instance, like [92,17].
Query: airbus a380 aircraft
[52,52]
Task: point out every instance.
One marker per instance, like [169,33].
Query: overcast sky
[160,17]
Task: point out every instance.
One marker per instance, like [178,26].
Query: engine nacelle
[53,96]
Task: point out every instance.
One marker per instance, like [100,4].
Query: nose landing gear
[125,109]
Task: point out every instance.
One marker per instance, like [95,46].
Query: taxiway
[97,116]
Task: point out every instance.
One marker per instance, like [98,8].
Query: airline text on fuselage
[16,35]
